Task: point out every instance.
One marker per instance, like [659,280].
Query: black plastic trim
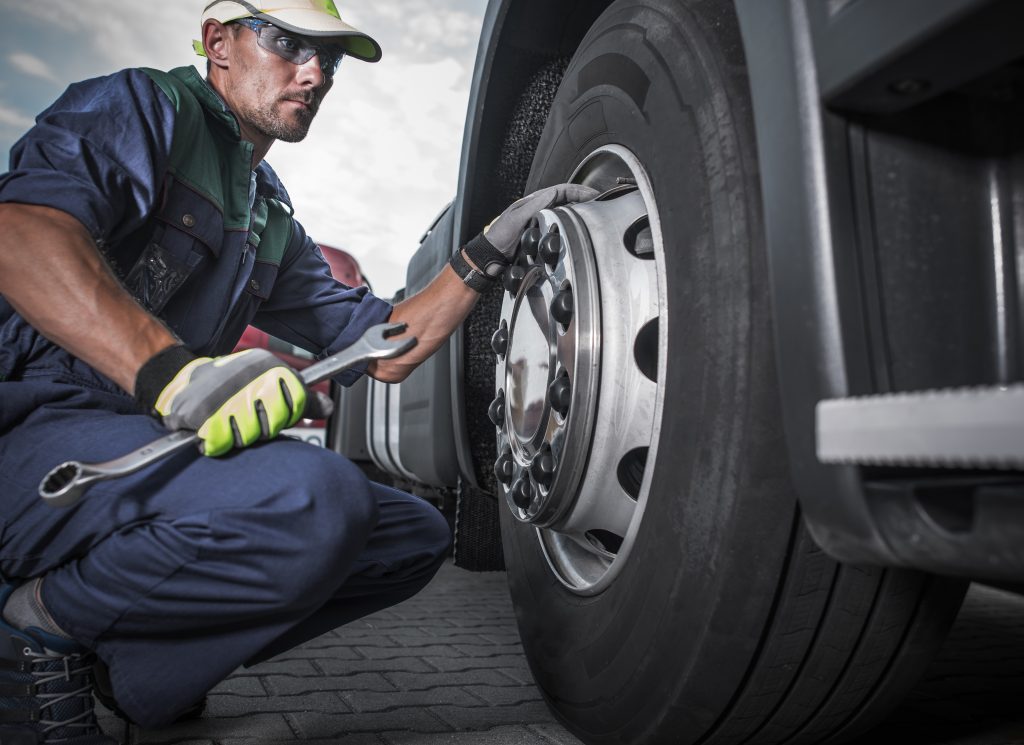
[821,345]
[882,56]
[845,311]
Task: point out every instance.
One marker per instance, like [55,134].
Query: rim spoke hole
[605,540]
[631,471]
[645,350]
[639,240]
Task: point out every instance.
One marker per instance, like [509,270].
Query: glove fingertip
[212,452]
[293,391]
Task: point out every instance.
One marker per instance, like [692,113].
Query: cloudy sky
[382,156]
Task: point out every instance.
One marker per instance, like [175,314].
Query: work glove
[231,401]
[507,229]
[495,248]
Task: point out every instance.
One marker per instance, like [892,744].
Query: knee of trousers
[435,535]
[303,535]
[424,538]
[434,544]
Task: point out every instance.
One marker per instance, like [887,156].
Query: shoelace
[85,720]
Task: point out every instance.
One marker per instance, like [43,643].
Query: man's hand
[436,311]
[504,233]
[233,401]
[495,248]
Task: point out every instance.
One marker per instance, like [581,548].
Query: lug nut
[530,240]
[543,468]
[499,342]
[551,248]
[562,306]
[503,468]
[560,394]
[514,276]
[496,411]
[522,493]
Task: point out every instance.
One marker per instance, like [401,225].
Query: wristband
[483,254]
[474,279]
[157,372]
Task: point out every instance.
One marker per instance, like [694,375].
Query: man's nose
[311,73]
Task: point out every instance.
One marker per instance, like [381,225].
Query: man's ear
[216,41]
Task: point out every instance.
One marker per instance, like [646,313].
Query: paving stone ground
[443,668]
[446,668]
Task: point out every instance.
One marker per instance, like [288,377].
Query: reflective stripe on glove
[233,401]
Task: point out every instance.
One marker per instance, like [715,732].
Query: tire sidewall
[693,599]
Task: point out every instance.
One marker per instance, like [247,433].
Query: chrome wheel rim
[580,348]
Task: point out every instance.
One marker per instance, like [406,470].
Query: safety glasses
[296,49]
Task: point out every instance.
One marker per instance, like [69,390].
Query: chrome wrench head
[63,485]
[375,343]
[380,344]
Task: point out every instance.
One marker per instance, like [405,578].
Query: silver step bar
[954,428]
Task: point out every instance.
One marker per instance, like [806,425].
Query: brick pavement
[446,668]
[443,668]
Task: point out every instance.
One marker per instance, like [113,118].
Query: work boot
[46,686]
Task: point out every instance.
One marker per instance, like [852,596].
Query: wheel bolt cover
[522,493]
[560,394]
[543,468]
[514,279]
[551,248]
[496,411]
[499,342]
[503,467]
[562,307]
[530,240]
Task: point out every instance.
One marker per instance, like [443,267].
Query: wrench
[66,483]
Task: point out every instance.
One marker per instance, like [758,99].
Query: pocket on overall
[189,230]
[157,275]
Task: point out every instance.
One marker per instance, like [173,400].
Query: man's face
[271,95]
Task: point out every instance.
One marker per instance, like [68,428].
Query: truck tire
[714,617]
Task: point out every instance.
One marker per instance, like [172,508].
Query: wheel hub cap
[578,356]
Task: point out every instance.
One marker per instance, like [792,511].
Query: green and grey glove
[495,248]
[231,401]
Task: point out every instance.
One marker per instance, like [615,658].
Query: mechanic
[142,231]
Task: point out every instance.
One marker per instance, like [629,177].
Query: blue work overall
[184,571]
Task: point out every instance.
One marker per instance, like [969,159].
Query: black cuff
[472,278]
[157,372]
[484,255]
